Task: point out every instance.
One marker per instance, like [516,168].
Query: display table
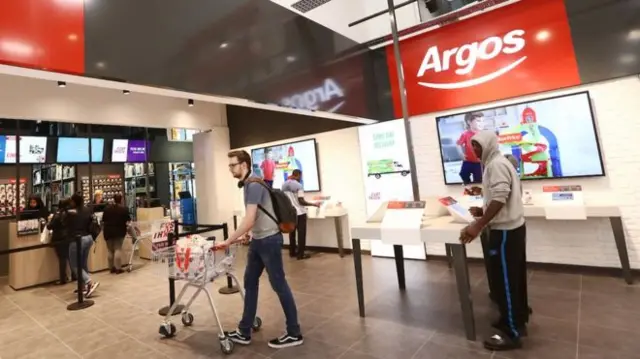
[338,215]
[446,231]
[443,229]
[30,268]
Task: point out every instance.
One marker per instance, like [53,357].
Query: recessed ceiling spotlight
[72,37]
[101,65]
[627,59]
[224,45]
[126,92]
[634,35]
[62,84]
[543,35]
[291,58]
[190,102]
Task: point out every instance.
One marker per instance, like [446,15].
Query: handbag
[45,236]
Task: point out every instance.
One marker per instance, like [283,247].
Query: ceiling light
[224,45]
[190,102]
[16,48]
[101,65]
[634,35]
[62,84]
[627,59]
[72,37]
[126,92]
[291,58]
[543,35]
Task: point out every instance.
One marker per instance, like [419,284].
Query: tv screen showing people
[276,163]
[550,138]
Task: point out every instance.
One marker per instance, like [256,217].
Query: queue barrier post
[171,241]
[230,288]
[81,303]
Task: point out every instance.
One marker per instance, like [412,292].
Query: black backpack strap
[261,182]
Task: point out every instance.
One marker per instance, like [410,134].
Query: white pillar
[217,190]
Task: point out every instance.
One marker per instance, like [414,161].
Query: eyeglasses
[232,165]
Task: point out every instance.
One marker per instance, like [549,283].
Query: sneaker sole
[92,290]
[240,341]
[287,345]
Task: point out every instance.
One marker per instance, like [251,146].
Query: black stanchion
[81,303]
[230,288]
[171,241]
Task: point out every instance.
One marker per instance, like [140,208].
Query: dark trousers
[297,249]
[469,169]
[62,251]
[269,183]
[508,277]
[266,254]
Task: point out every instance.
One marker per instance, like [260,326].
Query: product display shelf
[109,184]
[135,185]
[53,182]
[8,201]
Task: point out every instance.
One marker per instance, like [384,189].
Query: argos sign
[516,50]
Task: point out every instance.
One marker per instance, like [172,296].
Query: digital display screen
[119,150]
[130,150]
[76,150]
[33,149]
[550,138]
[275,163]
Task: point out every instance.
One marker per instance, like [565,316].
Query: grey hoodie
[500,183]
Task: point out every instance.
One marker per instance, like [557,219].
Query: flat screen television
[33,149]
[76,150]
[130,151]
[550,138]
[278,161]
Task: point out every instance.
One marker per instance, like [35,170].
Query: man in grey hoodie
[503,213]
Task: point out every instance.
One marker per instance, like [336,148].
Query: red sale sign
[516,50]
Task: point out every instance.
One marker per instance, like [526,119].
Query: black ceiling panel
[237,48]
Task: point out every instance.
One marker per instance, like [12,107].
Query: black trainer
[522,331]
[237,337]
[286,341]
[501,342]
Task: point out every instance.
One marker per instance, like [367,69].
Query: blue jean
[85,247]
[469,169]
[266,253]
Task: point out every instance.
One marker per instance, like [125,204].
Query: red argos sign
[519,49]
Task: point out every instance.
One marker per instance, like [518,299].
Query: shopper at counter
[115,220]
[294,190]
[59,236]
[98,204]
[79,223]
[265,252]
[503,213]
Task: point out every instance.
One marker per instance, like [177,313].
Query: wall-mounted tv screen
[33,149]
[76,150]
[550,138]
[130,150]
[275,163]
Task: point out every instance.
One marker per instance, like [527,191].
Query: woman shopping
[79,221]
[59,236]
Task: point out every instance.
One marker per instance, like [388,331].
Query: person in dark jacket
[115,220]
[59,235]
[79,223]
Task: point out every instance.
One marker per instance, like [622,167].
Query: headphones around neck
[241,182]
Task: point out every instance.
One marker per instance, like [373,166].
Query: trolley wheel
[187,319]
[257,324]
[226,346]
[167,330]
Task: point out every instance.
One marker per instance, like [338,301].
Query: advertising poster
[32,149]
[119,150]
[275,163]
[385,164]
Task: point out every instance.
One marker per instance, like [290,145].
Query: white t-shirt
[294,190]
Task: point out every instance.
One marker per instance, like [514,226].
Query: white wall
[340,177]
[29,98]
[616,106]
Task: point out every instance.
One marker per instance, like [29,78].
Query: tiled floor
[575,316]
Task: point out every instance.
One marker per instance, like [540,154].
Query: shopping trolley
[148,232]
[194,260]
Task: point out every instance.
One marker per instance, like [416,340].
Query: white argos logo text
[466,57]
[313,98]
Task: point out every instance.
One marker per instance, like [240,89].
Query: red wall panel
[43,34]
